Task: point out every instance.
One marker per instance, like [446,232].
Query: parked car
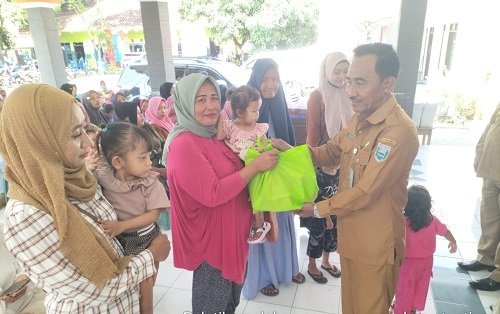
[133,58]
[225,73]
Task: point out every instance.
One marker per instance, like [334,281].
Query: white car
[133,58]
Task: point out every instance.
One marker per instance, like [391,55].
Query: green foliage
[6,41]
[72,6]
[266,24]
[294,26]
[8,17]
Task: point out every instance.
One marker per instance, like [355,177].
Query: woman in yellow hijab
[52,217]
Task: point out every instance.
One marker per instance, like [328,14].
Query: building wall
[474,72]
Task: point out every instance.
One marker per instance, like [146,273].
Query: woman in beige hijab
[328,111]
[52,217]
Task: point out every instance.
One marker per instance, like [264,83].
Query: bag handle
[261,146]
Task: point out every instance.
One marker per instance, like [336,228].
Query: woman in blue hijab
[270,264]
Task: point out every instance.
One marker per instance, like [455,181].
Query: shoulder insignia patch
[382,152]
[387,141]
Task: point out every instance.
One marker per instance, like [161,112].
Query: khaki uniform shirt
[375,156]
[488,150]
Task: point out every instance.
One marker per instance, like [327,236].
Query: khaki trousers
[367,288]
[488,248]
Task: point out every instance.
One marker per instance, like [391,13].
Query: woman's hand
[112,227]
[280,145]
[266,160]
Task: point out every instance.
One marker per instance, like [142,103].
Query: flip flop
[270,291]
[319,278]
[334,271]
[299,278]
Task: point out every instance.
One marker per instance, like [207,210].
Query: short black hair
[418,207]
[387,59]
[68,87]
[109,108]
[118,138]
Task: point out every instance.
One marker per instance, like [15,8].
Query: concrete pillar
[155,23]
[42,22]
[411,28]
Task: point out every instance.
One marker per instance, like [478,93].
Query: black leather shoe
[475,266]
[485,284]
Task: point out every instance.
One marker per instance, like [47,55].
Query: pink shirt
[423,242]
[211,214]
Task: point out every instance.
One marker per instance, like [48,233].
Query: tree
[266,24]
[8,13]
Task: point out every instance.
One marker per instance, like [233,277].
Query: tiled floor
[445,168]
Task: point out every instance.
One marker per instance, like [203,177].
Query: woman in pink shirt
[416,270]
[211,214]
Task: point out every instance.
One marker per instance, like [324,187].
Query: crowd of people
[90,174]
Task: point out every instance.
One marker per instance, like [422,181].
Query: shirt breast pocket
[361,161]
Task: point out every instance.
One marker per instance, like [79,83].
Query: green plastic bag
[286,187]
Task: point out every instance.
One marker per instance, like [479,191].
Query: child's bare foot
[258,234]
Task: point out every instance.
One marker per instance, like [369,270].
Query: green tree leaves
[266,24]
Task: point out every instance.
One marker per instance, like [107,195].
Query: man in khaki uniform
[375,154]
[487,167]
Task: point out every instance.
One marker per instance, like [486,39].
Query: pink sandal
[262,238]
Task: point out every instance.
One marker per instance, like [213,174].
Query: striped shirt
[32,238]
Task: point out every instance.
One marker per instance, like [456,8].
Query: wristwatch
[315,212]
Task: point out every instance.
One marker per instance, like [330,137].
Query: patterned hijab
[273,110]
[35,125]
[338,107]
[185,95]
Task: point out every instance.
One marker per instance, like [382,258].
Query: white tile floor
[173,291]
[445,170]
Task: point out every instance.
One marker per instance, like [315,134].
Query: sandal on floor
[319,278]
[263,231]
[334,271]
[270,291]
[299,278]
